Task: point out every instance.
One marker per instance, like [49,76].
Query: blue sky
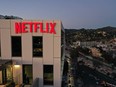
[73,13]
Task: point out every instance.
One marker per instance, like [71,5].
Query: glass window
[48,74]
[16,46]
[27,74]
[6,73]
[37,46]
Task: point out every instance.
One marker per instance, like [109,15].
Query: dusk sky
[73,13]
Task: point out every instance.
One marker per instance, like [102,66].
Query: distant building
[77,43]
[89,43]
[113,41]
[103,46]
[95,52]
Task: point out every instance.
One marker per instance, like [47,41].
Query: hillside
[105,33]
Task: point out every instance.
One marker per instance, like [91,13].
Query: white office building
[31,50]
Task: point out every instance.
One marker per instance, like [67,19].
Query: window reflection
[27,74]
[16,46]
[37,46]
[48,74]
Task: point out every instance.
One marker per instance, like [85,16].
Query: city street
[93,78]
[72,72]
[84,76]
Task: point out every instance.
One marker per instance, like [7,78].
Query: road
[72,70]
[93,78]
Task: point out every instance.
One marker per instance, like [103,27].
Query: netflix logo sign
[25,27]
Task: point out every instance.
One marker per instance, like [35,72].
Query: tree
[74,53]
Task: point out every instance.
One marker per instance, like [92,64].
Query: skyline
[74,14]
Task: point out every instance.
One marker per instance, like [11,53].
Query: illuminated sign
[25,27]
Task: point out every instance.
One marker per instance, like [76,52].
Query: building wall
[0,43]
[51,50]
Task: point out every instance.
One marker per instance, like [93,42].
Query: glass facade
[6,72]
[48,74]
[9,73]
[27,74]
[16,46]
[37,46]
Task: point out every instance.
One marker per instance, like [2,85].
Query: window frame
[23,66]
[48,83]
[37,48]
[20,49]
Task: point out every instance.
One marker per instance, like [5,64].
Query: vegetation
[9,17]
[100,34]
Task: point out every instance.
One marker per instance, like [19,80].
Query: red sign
[25,27]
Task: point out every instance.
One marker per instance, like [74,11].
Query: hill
[100,34]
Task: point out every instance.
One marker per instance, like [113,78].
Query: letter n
[18,28]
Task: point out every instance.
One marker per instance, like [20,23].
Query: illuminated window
[37,46]
[48,74]
[16,46]
[27,74]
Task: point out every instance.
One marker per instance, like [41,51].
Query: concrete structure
[51,49]
[89,43]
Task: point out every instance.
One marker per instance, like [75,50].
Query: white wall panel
[48,49]
[27,48]
[4,24]
[13,33]
[57,72]
[38,70]
[17,71]
[57,46]
[5,44]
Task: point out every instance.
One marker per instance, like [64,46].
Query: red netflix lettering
[41,27]
[21,27]
[18,28]
[47,27]
[52,28]
[24,27]
[31,25]
[35,27]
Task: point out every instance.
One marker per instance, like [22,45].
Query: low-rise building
[31,49]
